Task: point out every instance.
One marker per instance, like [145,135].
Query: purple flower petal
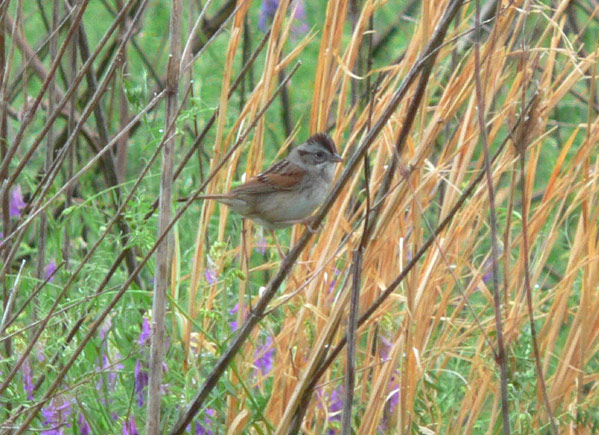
[141,382]
[84,427]
[204,428]
[269,8]
[267,12]
[211,276]
[105,328]
[233,324]
[392,401]
[336,402]
[27,378]
[300,27]
[146,332]
[265,356]
[385,347]
[49,270]
[16,202]
[56,415]
[336,273]
[129,426]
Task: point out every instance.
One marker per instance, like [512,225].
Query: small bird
[291,189]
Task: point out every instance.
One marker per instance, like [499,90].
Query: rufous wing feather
[282,175]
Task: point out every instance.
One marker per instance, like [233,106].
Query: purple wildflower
[336,404]
[84,427]
[385,347]
[56,416]
[27,378]
[300,17]
[392,401]
[210,275]
[17,202]
[267,12]
[115,369]
[269,9]
[49,270]
[204,428]
[232,312]
[264,357]
[111,368]
[141,382]
[146,332]
[487,277]
[129,426]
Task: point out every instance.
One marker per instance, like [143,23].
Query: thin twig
[354,306]
[500,356]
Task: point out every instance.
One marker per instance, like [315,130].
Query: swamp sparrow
[291,189]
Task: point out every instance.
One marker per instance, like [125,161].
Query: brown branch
[163,250]
[354,307]
[500,356]
[210,26]
[528,287]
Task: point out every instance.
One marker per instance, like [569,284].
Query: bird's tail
[216,197]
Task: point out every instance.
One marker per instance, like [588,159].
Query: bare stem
[163,256]
[500,355]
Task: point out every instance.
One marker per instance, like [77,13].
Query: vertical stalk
[4,204]
[164,217]
[43,231]
[72,122]
[122,148]
[500,355]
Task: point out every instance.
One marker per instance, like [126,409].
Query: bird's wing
[283,175]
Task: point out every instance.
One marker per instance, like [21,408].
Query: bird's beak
[336,158]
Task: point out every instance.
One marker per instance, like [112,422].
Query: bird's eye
[319,154]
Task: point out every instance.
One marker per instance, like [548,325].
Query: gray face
[313,155]
[317,156]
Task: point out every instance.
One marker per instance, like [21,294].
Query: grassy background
[427,358]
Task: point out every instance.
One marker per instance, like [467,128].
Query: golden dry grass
[434,337]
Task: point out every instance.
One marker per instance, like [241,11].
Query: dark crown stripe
[325,140]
